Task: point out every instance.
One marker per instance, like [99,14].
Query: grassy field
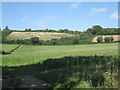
[56,66]
[30,54]
[8,47]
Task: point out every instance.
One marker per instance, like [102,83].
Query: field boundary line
[10,52]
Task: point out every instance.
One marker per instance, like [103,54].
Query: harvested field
[40,35]
[116,37]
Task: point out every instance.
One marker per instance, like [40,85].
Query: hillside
[116,37]
[40,35]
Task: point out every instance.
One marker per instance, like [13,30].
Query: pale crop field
[116,37]
[40,35]
[31,54]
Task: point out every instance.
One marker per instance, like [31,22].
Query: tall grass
[73,72]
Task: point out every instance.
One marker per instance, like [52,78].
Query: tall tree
[96,29]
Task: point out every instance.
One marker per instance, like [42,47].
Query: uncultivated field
[31,54]
[40,35]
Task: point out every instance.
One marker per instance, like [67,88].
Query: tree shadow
[69,71]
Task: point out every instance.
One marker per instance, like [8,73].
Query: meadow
[32,54]
[8,47]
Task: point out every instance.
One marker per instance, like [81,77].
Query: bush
[34,40]
[111,38]
[97,79]
[107,39]
[99,39]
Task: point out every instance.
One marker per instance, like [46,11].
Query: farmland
[8,47]
[40,35]
[29,54]
[68,66]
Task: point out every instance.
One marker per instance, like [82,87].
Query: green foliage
[80,38]
[71,72]
[34,40]
[111,38]
[96,29]
[28,30]
[97,79]
[99,39]
[107,39]
[83,84]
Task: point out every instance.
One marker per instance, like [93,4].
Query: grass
[8,47]
[30,54]
[50,64]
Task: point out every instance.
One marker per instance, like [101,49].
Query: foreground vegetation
[72,72]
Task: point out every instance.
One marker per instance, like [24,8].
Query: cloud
[75,5]
[114,15]
[96,10]
[45,20]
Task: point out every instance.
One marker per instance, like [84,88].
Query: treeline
[98,30]
[7,31]
[95,30]
[82,39]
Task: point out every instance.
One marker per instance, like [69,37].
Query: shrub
[34,40]
[99,39]
[107,39]
[97,79]
[111,38]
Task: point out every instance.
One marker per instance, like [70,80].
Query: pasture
[65,66]
[8,47]
[31,54]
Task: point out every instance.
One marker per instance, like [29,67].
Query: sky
[59,15]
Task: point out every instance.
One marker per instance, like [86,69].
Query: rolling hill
[40,35]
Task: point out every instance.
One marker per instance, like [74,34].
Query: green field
[8,47]
[31,54]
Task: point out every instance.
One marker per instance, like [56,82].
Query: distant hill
[40,35]
[116,37]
